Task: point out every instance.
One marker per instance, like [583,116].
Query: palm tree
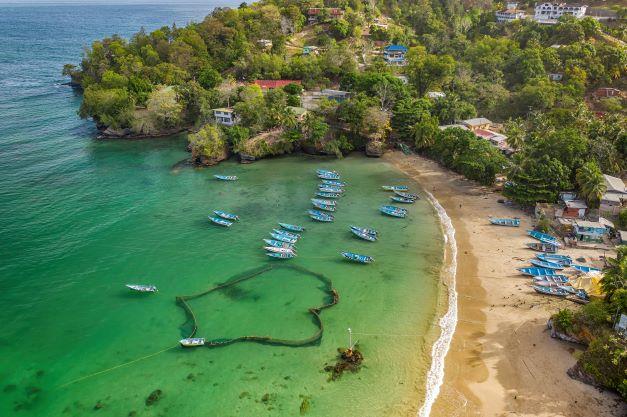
[424,130]
[591,183]
[615,275]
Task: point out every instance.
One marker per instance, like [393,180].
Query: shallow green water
[139,218]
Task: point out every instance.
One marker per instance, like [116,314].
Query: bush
[606,360]
[109,107]
[595,316]
[622,219]
[564,321]
[209,143]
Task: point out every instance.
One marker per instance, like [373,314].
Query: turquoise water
[81,217]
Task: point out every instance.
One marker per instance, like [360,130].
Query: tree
[591,183]
[209,78]
[534,180]
[314,129]
[406,114]
[425,130]
[427,70]
[164,107]
[615,275]
[375,124]
[208,144]
[515,132]
[109,107]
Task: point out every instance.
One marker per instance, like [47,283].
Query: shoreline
[501,361]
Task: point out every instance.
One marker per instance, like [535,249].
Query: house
[556,76]
[605,92]
[621,326]
[497,139]
[395,54]
[310,50]
[265,44]
[314,14]
[575,209]
[588,231]
[567,195]
[615,196]
[225,116]
[548,13]
[459,126]
[299,112]
[623,237]
[337,95]
[435,94]
[477,123]
[270,84]
[510,13]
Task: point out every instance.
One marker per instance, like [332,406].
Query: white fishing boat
[142,288]
[192,341]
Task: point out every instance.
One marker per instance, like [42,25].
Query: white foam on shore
[448,321]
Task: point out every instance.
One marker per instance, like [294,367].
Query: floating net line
[332,299]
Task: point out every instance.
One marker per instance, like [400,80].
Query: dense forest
[170,80]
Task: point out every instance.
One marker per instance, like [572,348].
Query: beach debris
[349,360]
[154,397]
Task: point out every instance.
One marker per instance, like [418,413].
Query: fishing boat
[582,295]
[285,233]
[278,250]
[365,236]
[226,215]
[324,207]
[226,177]
[283,238]
[329,176]
[402,199]
[365,230]
[327,194]
[278,243]
[393,211]
[515,222]
[327,202]
[557,278]
[321,216]
[558,259]
[192,341]
[142,288]
[281,255]
[395,187]
[292,227]
[335,188]
[220,221]
[355,257]
[550,291]
[542,247]
[544,264]
[584,268]
[407,195]
[534,271]
[334,183]
[543,237]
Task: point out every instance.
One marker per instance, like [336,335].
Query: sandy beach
[502,361]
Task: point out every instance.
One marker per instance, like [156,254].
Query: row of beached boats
[283,242]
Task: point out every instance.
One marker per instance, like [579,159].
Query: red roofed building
[270,84]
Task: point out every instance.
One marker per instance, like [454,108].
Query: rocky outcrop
[577,372]
[265,144]
[375,148]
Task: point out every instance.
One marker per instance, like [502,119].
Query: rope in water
[314,311]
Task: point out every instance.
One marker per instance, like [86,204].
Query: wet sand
[502,361]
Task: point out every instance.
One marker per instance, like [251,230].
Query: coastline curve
[448,321]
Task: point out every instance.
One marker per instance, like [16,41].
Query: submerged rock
[349,360]
[154,397]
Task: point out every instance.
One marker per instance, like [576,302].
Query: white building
[550,12]
[225,116]
[615,196]
[510,13]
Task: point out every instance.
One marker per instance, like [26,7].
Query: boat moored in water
[393,211]
[292,227]
[327,194]
[329,175]
[403,200]
[365,230]
[514,222]
[226,177]
[226,215]
[326,202]
[286,233]
[283,238]
[192,341]
[321,216]
[355,257]
[279,250]
[406,195]
[395,187]
[364,236]
[278,243]
[288,255]
[142,288]
[325,207]
[220,221]
[334,183]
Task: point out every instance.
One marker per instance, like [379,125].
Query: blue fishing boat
[365,230]
[542,247]
[557,278]
[329,176]
[582,295]
[274,249]
[395,187]
[142,288]
[406,195]
[515,222]
[334,183]
[320,216]
[192,341]
[327,202]
[402,199]
[220,221]
[393,211]
[330,188]
[278,243]
[327,194]
[584,268]
[287,255]
[364,236]
[558,259]
[226,177]
[285,233]
[533,271]
[226,215]
[283,238]
[362,259]
[550,291]
[324,207]
[292,227]
[543,237]
[544,264]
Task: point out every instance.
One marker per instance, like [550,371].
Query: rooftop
[576,204]
[477,121]
[266,84]
[587,223]
[396,48]
[224,110]
[614,184]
